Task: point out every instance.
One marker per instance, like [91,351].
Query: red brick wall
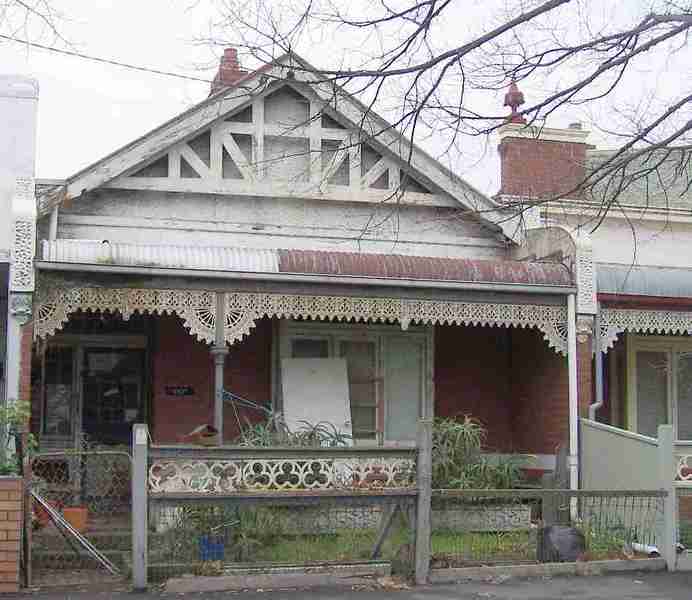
[585,378]
[537,168]
[180,360]
[471,374]
[11,515]
[248,374]
[508,378]
[26,347]
[539,394]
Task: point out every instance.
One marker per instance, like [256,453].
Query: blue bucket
[211,548]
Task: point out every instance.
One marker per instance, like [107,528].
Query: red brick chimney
[229,71]
[538,162]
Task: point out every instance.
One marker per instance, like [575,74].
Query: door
[403,374]
[112,393]
[58,397]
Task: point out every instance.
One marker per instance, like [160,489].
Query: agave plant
[456,444]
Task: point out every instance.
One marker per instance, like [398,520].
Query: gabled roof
[184,126]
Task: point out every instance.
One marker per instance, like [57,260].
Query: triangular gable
[243,140]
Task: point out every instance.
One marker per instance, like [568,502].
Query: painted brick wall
[472,378]
[539,394]
[180,360]
[538,168]
[11,514]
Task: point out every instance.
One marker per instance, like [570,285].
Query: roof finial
[514,98]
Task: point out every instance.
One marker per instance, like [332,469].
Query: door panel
[58,400]
[112,381]
[403,364]
[652,391]
[684,396]
[361,360]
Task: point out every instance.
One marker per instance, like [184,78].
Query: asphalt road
[649,586]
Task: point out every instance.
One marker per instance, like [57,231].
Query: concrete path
[658,586]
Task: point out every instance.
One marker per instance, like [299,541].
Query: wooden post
[424,484]
[219,351]
[666,470]
[140,488]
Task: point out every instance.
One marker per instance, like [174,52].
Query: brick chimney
[229,71]
[538,162]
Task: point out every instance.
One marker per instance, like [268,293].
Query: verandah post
[666,470]
[140,489]
[424,484]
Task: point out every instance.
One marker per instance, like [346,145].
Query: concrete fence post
[666,470]
[423,511]
[140,488]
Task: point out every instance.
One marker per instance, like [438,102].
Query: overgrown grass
[452,546]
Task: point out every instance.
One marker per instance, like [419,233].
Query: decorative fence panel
[229,510]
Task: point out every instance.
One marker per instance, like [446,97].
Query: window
[660,384]
[385,368]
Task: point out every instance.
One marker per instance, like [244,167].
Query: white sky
[87,110]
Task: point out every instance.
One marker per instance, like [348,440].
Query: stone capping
[11,519]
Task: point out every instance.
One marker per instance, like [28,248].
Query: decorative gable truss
[282,144]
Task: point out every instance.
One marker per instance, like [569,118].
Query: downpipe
[573,460]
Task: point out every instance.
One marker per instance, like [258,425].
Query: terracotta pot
[42,514]
[76,516]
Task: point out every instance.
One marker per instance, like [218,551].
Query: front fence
[223,510]
[500,527]
[230,510]
[90,490]
[258,532]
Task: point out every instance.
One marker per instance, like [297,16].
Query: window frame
[672,347]
[338,332]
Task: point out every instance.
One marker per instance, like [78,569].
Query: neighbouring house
[18,104]
[642,263]
[265,243]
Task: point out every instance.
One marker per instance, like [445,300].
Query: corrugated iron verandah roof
[387,267]
[397,266]
[242,303]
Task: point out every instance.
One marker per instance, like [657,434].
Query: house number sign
[180,390]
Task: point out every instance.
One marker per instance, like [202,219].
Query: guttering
[559,290]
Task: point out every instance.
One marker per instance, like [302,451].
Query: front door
[112,393]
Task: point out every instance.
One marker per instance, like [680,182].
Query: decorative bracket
[197,309]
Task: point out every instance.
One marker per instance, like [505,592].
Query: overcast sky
[87,110]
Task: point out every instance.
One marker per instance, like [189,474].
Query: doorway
[112,398]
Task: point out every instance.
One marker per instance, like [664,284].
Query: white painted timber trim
[277,230]
[278,189]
